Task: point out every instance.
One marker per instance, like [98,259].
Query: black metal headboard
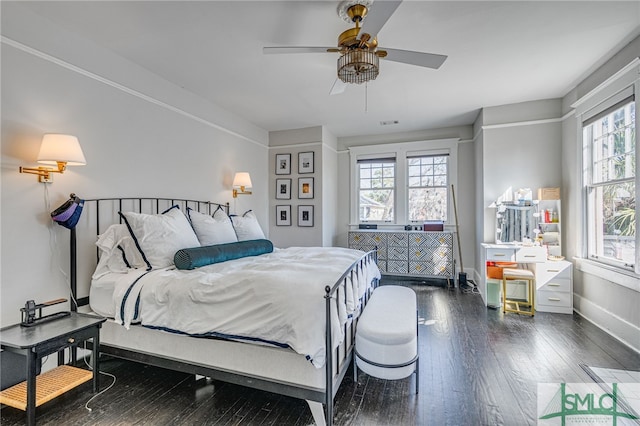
[98,214]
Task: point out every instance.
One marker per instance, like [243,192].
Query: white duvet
[275,298]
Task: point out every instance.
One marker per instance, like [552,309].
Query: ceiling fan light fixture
[353,10]
[358,66]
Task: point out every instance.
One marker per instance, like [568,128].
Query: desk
[554,282]
[44,339]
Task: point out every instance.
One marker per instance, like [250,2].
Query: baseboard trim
[607,321]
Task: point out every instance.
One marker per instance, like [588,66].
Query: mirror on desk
[515,222]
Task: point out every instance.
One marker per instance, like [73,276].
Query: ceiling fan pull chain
[366,97]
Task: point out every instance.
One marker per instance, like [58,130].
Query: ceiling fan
[358,46]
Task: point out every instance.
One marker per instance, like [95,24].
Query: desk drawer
[560,271]
[553,298]
[64,341]
[501,255]
[557,284]
[554,272]
[531,254]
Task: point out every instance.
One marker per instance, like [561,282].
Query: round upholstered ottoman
[387,335]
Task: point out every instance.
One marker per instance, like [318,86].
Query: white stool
[387,335]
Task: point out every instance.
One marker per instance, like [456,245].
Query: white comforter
[275,298]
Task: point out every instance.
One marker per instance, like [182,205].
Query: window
[376,199]
[402,183]
[428,187]
[609,142]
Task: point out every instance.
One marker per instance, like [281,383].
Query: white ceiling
[499,53]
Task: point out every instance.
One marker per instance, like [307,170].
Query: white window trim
[400,151]
[615,88]
[616,275]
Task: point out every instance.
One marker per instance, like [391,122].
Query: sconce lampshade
[242,179]
[57,148]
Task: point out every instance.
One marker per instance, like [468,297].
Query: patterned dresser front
[367,241]
[408,253]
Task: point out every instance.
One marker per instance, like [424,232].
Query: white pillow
[247,227]
[212,230]
[160,236]
[118,252]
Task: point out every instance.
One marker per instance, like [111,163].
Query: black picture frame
[305,216]
[283,189]
[283,164]
[305,188]
[305,162]
[283,215]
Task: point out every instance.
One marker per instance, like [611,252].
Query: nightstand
[42,340]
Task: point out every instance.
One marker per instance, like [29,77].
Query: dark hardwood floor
[477,367]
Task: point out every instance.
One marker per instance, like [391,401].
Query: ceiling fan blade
[428,60]
[379,14]
[294,49]
[338,87]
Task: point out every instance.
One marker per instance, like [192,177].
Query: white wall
[465,199]
[141,136]
[479,207]
[330,188]
[344,199]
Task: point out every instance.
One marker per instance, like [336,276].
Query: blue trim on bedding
[126,296]
[215,334]
[124,256]
[136,311]
[135,240]
[175,206]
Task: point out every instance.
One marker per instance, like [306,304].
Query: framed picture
[283,164]
[305,215]
[283,215]
[305,187]
[305,162]
[283,189]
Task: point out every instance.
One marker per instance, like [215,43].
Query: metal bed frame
[337,361]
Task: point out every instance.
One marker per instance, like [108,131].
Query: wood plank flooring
[477,367]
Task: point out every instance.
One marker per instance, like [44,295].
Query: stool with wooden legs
[520,275]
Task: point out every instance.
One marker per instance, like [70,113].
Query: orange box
[494,269]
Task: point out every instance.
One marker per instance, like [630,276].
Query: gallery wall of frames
[291,192]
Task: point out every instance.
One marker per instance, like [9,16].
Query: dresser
[554,279]
[412,253]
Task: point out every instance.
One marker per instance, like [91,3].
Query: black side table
[42,340]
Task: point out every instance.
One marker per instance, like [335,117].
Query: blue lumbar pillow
[195,257]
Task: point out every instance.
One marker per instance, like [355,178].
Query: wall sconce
[59,150]
[241,180]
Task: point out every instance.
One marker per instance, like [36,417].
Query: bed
[240,320]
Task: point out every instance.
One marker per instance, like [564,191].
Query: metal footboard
[339,359]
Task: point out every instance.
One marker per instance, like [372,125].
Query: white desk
[554,279]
